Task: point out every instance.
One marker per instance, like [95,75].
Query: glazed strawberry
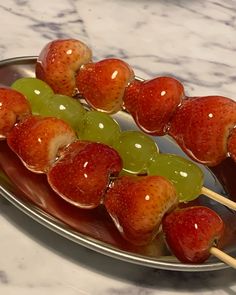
[231,145]
[82,173]
[201,127]
[191,232]
[58,63]
[13,107]
[156,103]
[37,140]
[102,84]
[137,205]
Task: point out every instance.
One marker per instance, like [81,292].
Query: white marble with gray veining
[192,40]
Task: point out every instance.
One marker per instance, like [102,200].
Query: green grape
[186,176]
[99,127]
[35,90]
[64,107]
[136,149]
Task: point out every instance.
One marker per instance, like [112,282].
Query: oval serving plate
[94,228]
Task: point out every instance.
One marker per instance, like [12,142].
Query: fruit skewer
[40,141]
[100,127]
[158,106]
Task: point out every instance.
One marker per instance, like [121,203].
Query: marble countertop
[193,40]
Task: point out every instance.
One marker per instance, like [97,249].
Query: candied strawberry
[201,127]
[154,103]
[191,232]
[137,205]
[37,140]
[82,173]
[13,107]
[102,84]
[58,63]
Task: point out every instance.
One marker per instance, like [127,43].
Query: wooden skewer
[223,257]
[218,198]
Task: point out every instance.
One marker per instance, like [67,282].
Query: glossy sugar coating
[99,127]
[201,126]
[191,232]
[137,205]
[103,84]
[58,63]
[186,176]
[13,107]
[37,140]
[82,173]
[136,149]
[65,108]
[36,91]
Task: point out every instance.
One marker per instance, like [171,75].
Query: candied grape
[35,90]
[136,149]
[64,107]
[99,127]
[184,174]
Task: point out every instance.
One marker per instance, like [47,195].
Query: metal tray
[93,228]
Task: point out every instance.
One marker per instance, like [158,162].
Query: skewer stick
[223,257]
[218,198]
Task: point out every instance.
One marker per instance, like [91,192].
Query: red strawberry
[137,205]
[36,140]
[191,232]
[13,107]
[81,175]
[153,103]
[58,63]
[201,127]
[102,84]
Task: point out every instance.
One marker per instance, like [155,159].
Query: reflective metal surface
[31,194]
